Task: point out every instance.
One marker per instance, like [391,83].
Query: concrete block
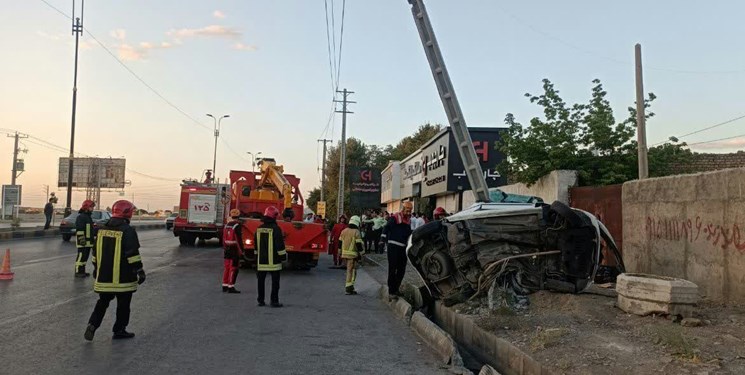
[441,342]
[641,307]
[403,310]
[488,370]
[657,288]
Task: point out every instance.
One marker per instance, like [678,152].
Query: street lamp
[217,134]
[253,159]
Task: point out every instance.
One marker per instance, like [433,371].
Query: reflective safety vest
[350,238]
[269,246]
[117,259]
[229,235]
[84,230]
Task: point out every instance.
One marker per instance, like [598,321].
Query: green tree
[410,144]
[582,137]
[313,197]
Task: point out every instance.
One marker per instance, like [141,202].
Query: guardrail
[28,233]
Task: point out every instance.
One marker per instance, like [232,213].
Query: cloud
[212,31]
[128,52]
[48,36]
[118,34]
[728,144]
[243,47]
[218,14]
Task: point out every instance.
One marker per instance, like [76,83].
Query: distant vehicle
[170,219]
[67,225]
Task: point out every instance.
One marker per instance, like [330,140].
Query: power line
[717,140]
[706,128]
[341,44]
[328,43]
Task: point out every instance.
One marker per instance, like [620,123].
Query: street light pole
[253,160]
[217,134]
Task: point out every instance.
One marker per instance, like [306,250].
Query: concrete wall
[551,187]
[689,226]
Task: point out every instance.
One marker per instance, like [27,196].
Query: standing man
[439,213]
[334,248]
[352,250]
[117,268]
[232,245]
[377,230]
[48,211]
[270,253]
[84,237]
[396,234]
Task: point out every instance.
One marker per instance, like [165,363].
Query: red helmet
[122,209]
[272,212]
[88,205]
[439,211]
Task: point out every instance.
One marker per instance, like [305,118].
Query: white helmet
[355,220]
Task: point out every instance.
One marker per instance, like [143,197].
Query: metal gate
[605,203]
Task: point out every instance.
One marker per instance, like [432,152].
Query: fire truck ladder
[450,102]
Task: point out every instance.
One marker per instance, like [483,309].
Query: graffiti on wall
[693,230]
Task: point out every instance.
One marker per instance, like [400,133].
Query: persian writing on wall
[695,230]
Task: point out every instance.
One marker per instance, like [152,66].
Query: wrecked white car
[511,250]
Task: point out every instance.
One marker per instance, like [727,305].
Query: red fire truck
[201,211]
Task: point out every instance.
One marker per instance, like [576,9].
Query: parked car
[510,250]
[67,225]
[170,219]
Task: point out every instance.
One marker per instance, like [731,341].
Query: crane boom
[450,102]
[272,173]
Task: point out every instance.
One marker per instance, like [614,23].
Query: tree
[410,144]
[582,137]
[313,197]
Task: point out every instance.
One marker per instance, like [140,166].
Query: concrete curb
[437,339]
[41,233]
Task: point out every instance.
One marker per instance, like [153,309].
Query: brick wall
[711,162]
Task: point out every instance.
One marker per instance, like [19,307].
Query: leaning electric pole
[77,29]
[323,168]
[343,160]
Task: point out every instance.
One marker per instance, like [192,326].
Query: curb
[437,339]
[41,233]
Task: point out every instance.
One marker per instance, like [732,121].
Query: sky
[266,64]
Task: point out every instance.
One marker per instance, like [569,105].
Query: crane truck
[252,192]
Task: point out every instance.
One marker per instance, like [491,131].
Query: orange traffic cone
[5,273]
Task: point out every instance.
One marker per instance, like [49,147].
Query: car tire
[66,237]
[573,218]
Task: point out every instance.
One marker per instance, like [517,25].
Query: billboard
[104,173]
[11,198]
[321,208]
[364,186]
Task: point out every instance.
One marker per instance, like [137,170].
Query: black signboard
[364,184]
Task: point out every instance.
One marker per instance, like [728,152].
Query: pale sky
[266,64]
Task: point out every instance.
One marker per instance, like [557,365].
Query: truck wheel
[66,237]
[182,240]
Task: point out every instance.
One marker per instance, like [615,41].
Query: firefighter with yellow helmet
[352,249]
[117,269]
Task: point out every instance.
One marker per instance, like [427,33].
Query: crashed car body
[520,247]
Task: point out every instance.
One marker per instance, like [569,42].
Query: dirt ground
[587,334]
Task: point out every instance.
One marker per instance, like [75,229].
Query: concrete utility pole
[641,128]
[77,29]
[16,150]
[343,161]
[323,168]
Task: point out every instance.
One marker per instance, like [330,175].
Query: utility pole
[323,168]
[16,150]
[77,29]
[641,128]
[343,161]
[217,135]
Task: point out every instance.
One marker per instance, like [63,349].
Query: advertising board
[104,173]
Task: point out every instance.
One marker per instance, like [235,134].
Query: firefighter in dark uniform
[232,248]
[269,247]
[84,237]
[117,268]
[396,236]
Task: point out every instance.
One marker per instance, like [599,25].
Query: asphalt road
[185,324]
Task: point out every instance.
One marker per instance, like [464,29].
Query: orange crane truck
[252,192]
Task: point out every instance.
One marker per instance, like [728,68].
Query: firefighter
[232,250]
[396,235]
[270,253]
[334,248]
[117,268]
[352,248]
[439,213]
[84,237]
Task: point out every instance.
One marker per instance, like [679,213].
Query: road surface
[185,324]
